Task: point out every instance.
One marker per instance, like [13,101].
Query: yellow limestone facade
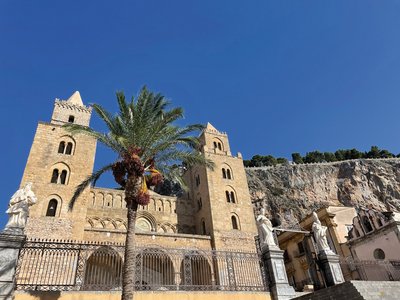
[216,212]
[143,296]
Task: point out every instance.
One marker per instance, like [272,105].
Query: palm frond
[84,184]
[105,139]
[106,117]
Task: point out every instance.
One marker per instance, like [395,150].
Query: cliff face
[296,190]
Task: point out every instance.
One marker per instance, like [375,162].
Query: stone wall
[43,159]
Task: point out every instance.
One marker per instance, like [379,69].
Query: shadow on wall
[45,296]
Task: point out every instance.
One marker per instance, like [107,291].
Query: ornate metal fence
[374,270]
[67,265]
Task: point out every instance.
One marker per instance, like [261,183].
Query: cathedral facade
[214,214]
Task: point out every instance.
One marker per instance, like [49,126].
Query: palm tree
[149,147]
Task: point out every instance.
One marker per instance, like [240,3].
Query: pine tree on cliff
[148,147]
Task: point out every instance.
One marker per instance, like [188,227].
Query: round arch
[60,173]
[218,144]
[154,268]
[227,172]
[235,221]
[103,270]
[195,270]
[58,205]
[147,218]
[231,195]
[66,145]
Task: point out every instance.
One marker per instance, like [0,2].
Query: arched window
[367,224]
[233,200]
[219,146]
[228,197]
[68,150]
[52,208]
[215,145]
[228,174]
[223,173]
[54,176]
[61,147]
[71,119]
[235,224]
[63,177]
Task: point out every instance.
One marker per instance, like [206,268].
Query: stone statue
[265,230]
[320,235]
[18,208]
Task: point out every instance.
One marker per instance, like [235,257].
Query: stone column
[10,244]
[275,269]
[330,266]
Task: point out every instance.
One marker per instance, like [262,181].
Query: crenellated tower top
[71,111]
[215,141]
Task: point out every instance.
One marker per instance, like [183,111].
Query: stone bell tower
[221,196]
[57,163]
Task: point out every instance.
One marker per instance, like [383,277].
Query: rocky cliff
[296,190]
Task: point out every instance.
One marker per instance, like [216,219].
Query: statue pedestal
[331,268]
[10,244]
[276,273]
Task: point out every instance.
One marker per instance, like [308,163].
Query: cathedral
[203,239]
[214,214]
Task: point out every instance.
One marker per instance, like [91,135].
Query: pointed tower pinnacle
[75,99]
[210,127]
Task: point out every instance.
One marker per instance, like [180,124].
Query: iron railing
[67,265]
[374,270]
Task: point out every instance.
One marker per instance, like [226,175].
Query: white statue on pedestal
[320,235]
[18,209]
[265,229]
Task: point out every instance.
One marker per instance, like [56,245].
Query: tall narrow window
[233,200]
[228,174]
[200,203]
[203,227]
[71,119]
[52,208]
[69,149]
[367,224]
[63,177]
[228,197]
[215,145]
[234,222]
[54,176]
[61,147]
[219,146]
[223,173]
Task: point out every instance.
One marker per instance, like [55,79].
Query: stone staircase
[357,290]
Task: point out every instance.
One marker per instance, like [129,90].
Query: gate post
[331,268]
[275,268]
[10,245]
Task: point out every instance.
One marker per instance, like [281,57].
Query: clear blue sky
[278,76]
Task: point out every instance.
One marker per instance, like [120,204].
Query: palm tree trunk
[128,275]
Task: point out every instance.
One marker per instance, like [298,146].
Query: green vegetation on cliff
[319,157]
